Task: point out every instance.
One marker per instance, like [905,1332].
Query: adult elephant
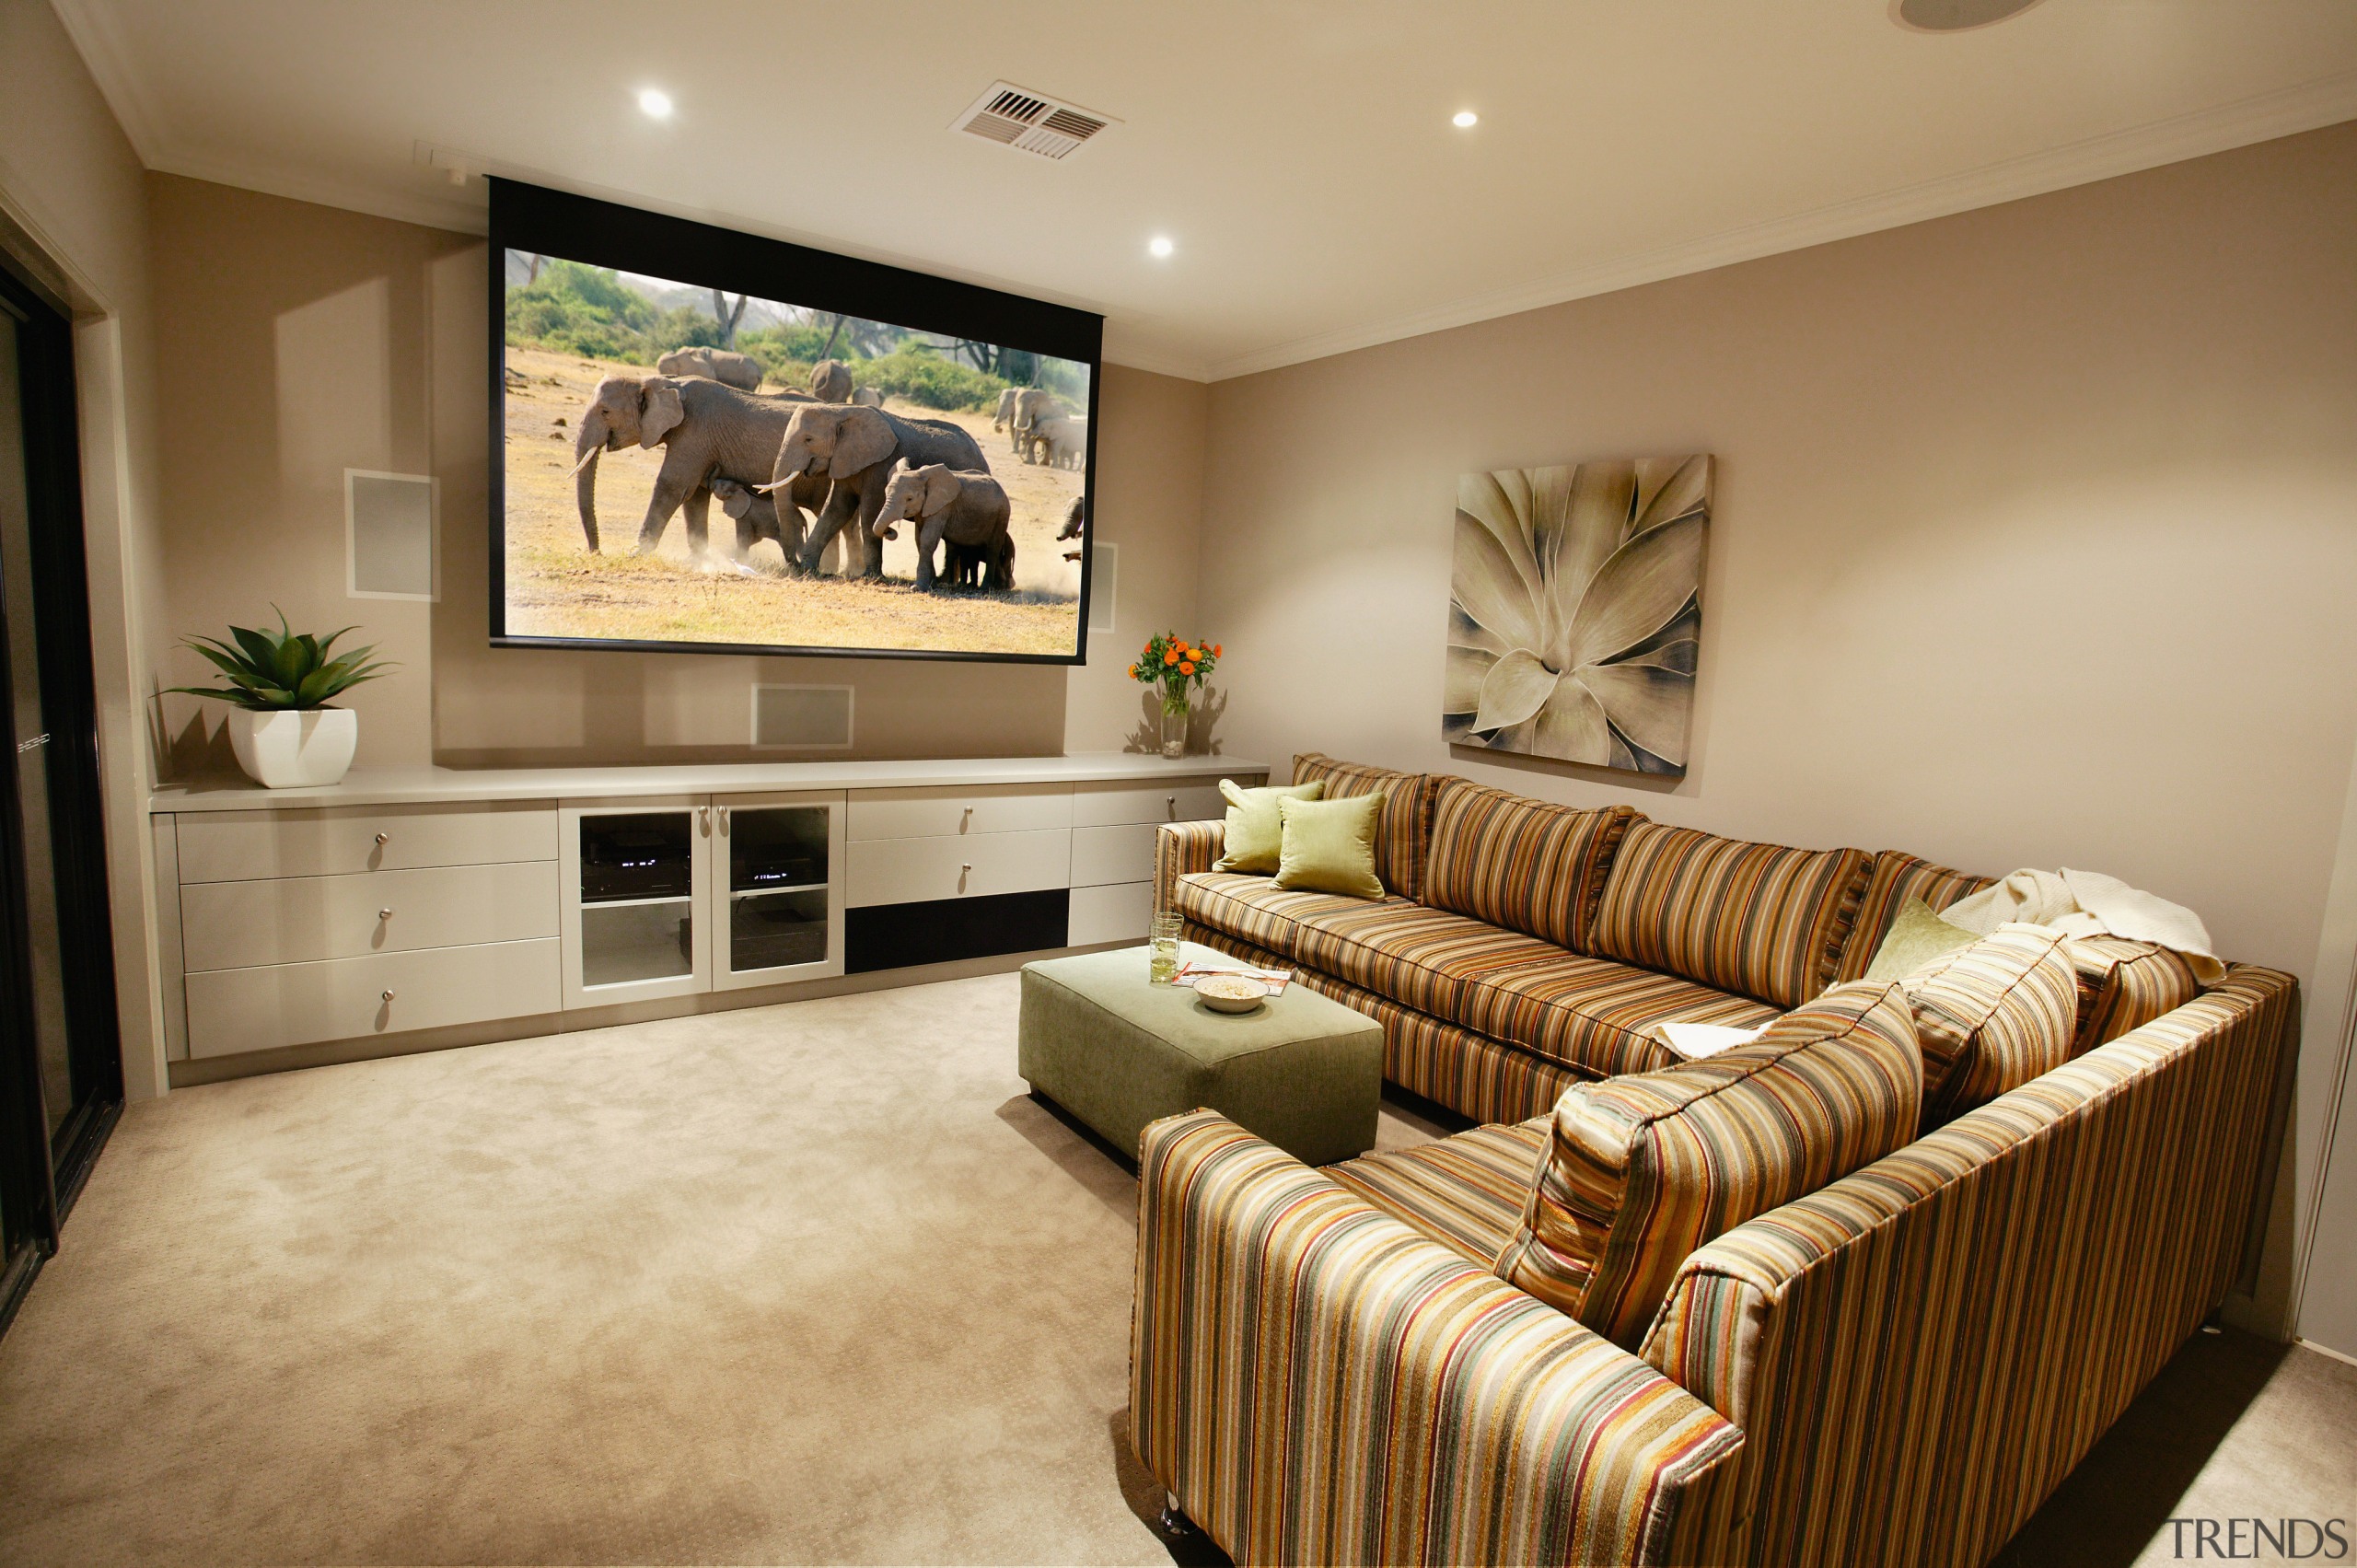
[705,430]
[728,369]
[853,449]
[1032,404]
[830,381]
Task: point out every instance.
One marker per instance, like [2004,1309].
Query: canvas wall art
[1575,611]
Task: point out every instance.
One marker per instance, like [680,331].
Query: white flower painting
[1575,611]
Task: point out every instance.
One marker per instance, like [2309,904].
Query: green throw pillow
[1330,845]
[1254,829]
[1916,937]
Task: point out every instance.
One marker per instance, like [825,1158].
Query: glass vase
[1174,724]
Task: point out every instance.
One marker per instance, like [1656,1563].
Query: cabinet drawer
[1117,913]
[1120,853]
[1174,800]
[908,871]
[233,846]
[292,920]
[930,813]
[232,1011]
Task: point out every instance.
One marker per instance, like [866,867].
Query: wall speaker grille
[803,717]
[388,535]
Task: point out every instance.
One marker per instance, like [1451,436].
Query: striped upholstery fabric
[1403,828]
[1255,909]
[2124,985]
[1920,1352]
[1525,864]
[1181,847]
[1992,1017]
[1758,919]
[1470,1073]
[1895,878]
[1589,1013]
[1642,1170]
[1317,1382]
[1466,1192]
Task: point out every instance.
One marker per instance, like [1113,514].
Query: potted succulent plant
[285,733]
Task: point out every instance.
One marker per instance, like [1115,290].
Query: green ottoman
[1301,1071]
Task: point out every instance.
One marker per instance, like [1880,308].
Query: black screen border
[581,228]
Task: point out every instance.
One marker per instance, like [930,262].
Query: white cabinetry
[302,927]
[439,899]
[668,896]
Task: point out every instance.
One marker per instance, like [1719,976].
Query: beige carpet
[812,1284]
[808,1284]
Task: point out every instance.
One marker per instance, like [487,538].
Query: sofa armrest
[1181,847]
[1315,1381]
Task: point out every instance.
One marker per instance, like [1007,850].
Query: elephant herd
[832,455]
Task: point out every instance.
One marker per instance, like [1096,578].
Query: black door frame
[44,1175]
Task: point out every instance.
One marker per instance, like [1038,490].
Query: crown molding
[99,41]
[349,196]
[1150,362]
[2310,106]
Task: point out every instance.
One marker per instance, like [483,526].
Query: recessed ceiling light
[654,103]
[1465,119]
[1954,15]
[1160,244]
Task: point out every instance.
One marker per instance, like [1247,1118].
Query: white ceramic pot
[294,748]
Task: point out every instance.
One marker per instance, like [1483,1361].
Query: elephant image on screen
[692,467]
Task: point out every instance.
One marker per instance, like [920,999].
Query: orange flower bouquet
[1177,667]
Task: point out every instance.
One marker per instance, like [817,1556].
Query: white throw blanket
[2088,903]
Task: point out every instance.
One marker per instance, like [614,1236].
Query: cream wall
[2034,538]
[74,208]
[302,340]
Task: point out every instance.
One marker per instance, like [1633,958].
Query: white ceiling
[1297,151]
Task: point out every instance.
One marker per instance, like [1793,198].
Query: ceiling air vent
[1028,121]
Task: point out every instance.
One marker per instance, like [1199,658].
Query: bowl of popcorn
[1231,993]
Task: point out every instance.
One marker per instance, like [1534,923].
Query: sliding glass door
[60,1074]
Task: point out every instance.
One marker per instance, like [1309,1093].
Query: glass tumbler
[1162,964]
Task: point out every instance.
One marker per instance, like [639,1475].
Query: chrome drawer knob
[388,996]
[384,837]
[384,914]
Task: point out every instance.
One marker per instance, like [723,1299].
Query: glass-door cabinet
[777,868]
[635,871]
[668,897]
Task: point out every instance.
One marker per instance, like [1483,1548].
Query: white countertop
[393,786]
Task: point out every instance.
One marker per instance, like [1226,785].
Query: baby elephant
[973,569]
[756,516]
[965,506]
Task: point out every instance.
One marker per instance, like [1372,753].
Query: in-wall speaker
[802,716]
[1104,573]
[388,535]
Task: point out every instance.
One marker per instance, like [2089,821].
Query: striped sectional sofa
[1327,1365]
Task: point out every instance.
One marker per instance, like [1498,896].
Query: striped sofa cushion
[1895,877]
[1466,1192]
[2124,985]
[1591,1013]
[1401,831]
[1992,1016]
[1642,1170]
[1255,908]
[1474,1075]
[1526,864]
[1758,919]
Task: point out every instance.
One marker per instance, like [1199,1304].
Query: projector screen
[716,443]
